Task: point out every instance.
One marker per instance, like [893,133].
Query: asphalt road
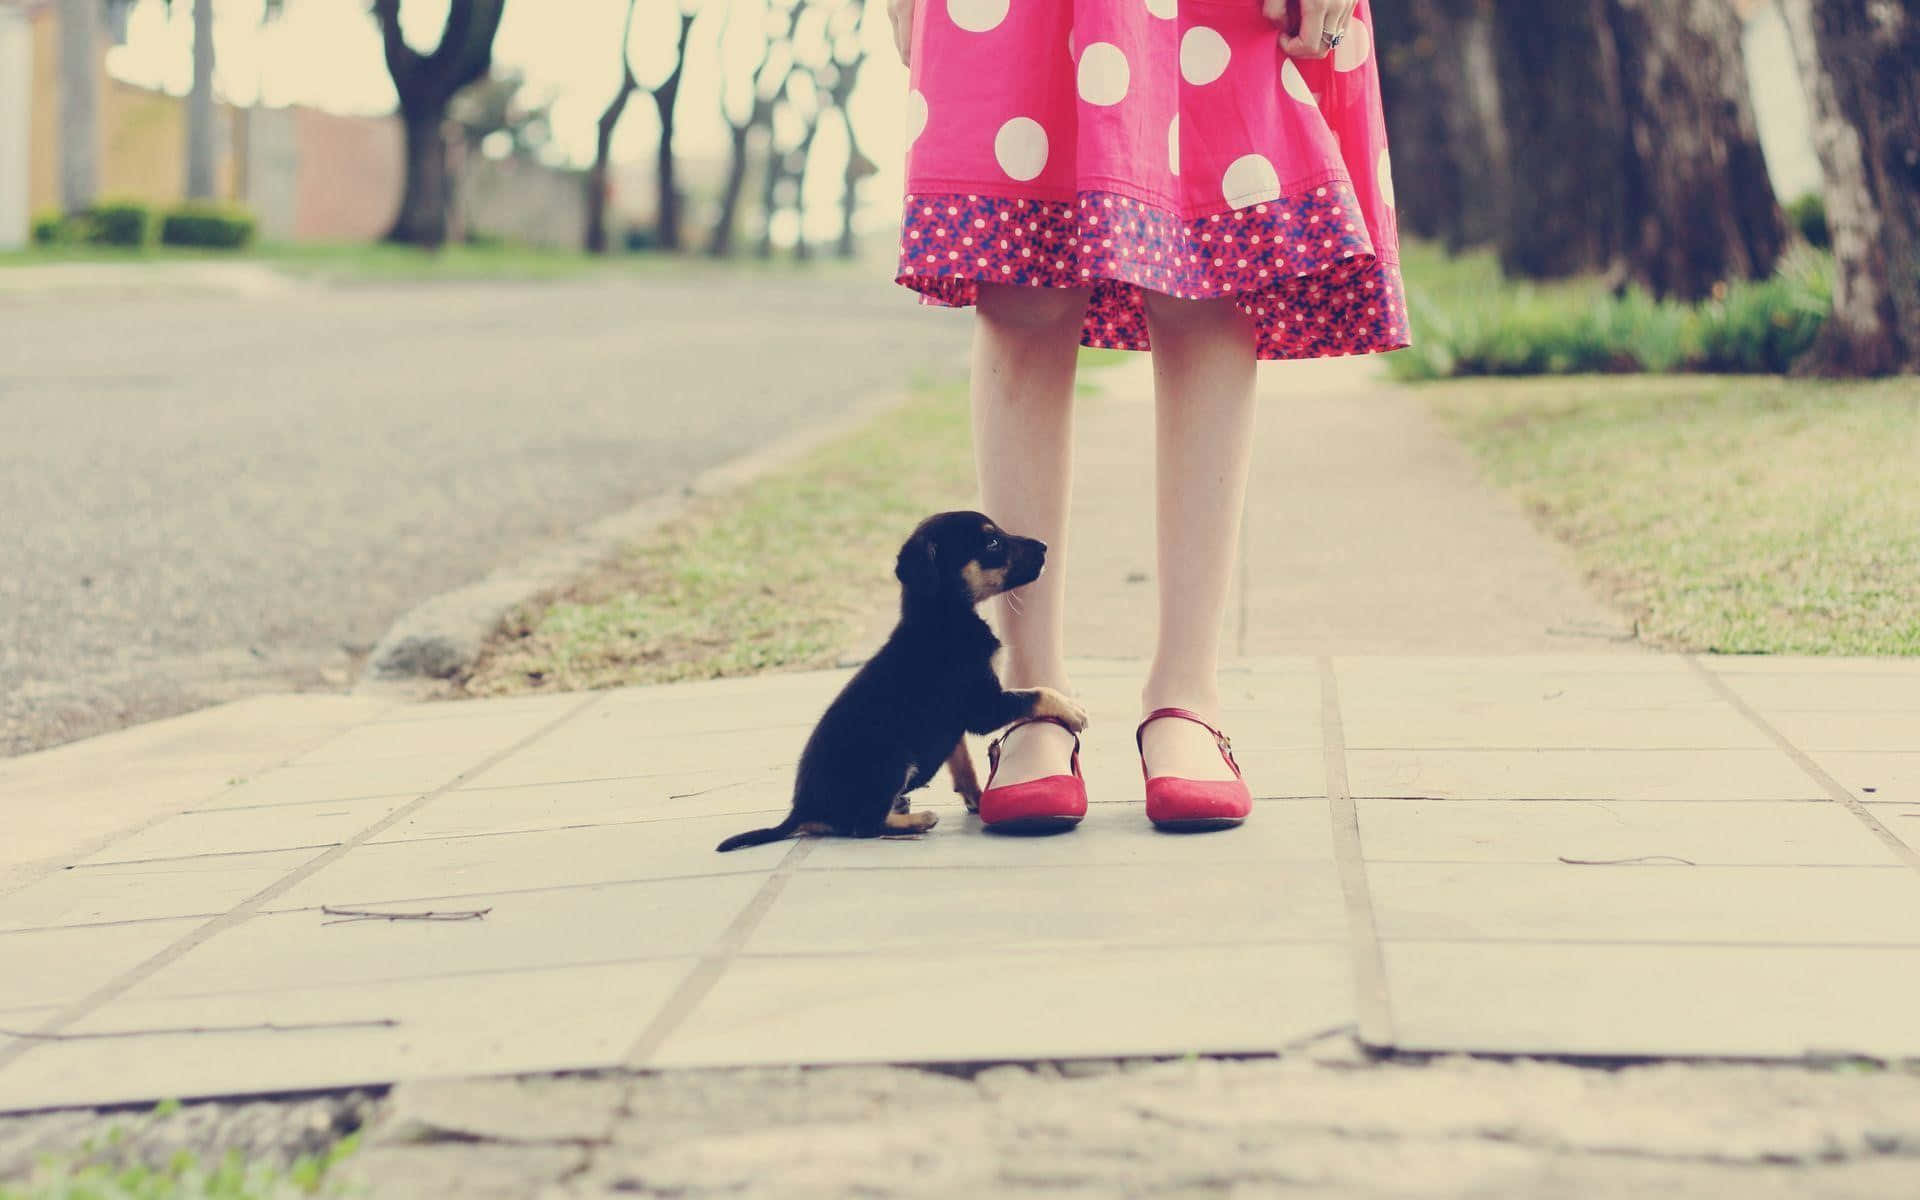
[207,496]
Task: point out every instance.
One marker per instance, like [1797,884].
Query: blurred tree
[426,84]
[599,179]
[1563,194]
[79,104]
[1631,145]
[665,97]
[1700,207]
[203,141]
[753,95]
[1443,115]
[1860,63]
[847,54]
[495,118]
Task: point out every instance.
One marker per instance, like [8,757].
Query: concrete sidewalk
[1470,838]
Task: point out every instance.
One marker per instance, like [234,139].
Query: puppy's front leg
[1009,706]
[966,784]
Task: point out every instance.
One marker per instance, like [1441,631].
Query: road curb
[441,637]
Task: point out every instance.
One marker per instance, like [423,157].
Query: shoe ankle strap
[993,747]
[1220,739]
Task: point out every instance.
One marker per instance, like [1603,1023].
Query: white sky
[326,53]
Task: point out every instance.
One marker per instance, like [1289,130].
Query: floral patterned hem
[1301,267]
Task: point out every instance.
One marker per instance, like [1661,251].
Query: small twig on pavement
[264,1027]
[349,915]
[1627,862]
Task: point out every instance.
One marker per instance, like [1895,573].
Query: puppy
[903,714]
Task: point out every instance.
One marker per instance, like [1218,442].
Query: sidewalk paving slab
[1418,890]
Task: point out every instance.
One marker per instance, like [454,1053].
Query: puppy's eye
[993,544]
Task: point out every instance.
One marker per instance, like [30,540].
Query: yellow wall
[142,132]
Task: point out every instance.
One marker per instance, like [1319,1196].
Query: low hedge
[119,223]
[1469,320]
[206,225]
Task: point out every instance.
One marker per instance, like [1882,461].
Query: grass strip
[1736,516]
[780,575]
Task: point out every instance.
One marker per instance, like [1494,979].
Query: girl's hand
[901,13]
[1305,24]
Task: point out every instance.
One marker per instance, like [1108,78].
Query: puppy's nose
[1041,545]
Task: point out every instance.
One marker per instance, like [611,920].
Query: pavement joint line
[700,981]
[1373,1026]
[588,886]
[196,856]
[234,808]
[94,846]
[118,986]
[1832,786]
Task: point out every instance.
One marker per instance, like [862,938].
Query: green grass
[1468,319]
[779,575]
[1731,515]
[105,1171]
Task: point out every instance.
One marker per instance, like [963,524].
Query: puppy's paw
[1060,706]
[911,822]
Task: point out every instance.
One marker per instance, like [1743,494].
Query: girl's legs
[1026,342]
[1203,372]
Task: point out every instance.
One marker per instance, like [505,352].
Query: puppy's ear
[915,568]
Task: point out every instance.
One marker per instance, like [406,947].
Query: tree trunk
[1700,207]
[427,202]
[665,97]
[720,244]
[667,225]
[1860,62]
[202,136]
[1563,193]
[600,178]
[79,104]
[426,84]
[776,172]
[850,188]
[1442,103]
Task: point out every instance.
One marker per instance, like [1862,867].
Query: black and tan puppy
[902,715]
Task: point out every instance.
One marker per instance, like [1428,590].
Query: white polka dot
[1296,84]
[1203,55]
[916,115]
[1021,147]
[1353,49]
[977,16]
[1384,174]
[1166,10]
[1250,180]
[1103,74]
[1173,144]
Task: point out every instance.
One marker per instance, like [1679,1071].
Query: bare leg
[1203,372]
[1026,343]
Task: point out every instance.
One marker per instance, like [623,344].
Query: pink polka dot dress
[1161,144]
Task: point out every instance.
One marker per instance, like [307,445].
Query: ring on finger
[1333,39]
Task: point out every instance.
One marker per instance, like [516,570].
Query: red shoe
[1180,804]
[1052,802]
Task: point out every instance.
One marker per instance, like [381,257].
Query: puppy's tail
[757,837]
